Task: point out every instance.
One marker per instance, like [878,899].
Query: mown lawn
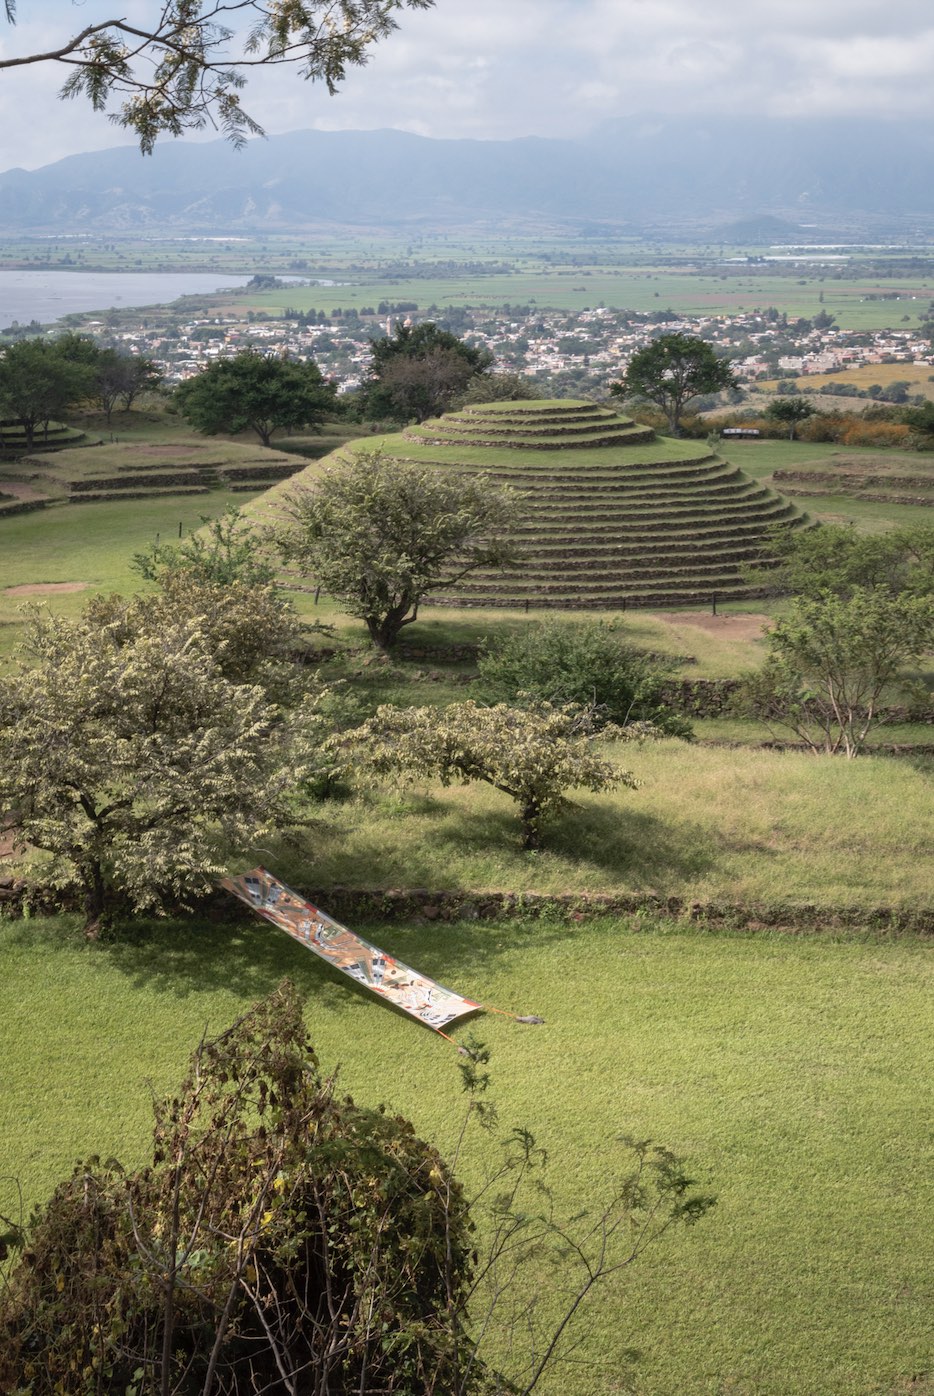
[793,1074]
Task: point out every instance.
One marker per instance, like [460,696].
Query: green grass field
[744,825]
[794,1075]
[793,1072]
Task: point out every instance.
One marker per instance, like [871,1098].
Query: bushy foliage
[588,664]
[419,371]
[139,745]
[261,392]
[534,754]
[837,560]
[379,535]
[498,387]
[279,1239]
[223,551]
[832,659]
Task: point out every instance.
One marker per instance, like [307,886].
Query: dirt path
[733,627]
[18,490]
[45,588]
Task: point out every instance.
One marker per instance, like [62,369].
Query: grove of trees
[40,379]
[419,371]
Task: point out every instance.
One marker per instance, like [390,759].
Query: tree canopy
[140,745]
[670,371]
[835,560]
[833,660]
[534,753]
[419,371]
[183,65]
[379,535]
[790,411]
[39,382]
[260,391]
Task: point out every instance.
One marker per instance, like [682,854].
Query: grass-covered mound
[149,470]
[884,479]
[611,514]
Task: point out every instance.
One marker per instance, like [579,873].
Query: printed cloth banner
[414,993]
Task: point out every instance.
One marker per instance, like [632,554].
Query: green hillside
[611,514]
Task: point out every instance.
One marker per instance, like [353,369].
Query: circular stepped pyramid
[612,516]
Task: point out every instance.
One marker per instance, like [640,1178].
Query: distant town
[570,351]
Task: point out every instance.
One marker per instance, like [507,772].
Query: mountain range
[803,177]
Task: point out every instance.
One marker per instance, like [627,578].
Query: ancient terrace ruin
[613,515]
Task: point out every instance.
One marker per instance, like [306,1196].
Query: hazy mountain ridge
[855,173]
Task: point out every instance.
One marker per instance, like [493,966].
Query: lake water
[47,295]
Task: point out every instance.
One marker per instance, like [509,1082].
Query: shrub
[587,664]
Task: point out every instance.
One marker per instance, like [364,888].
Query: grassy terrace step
[581,555]
[610,514]
[92,496]
[606,437]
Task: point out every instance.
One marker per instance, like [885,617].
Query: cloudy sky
[495,69]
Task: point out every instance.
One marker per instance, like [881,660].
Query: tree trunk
[95,900]
[531,831]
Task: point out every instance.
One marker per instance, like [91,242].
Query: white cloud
[495,69]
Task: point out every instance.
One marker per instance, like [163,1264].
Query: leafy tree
[586,664]
[183,68]
[284,1239]
[224,550]
[380,535]
[831,662]
[38,382]
[533,754]
[836,560]
[133,762]
[121,378]
[791,411]
[419,371]
[259,391]
[670,371]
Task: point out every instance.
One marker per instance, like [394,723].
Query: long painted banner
[393,981]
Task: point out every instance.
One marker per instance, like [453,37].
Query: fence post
[317,594]
[713,610]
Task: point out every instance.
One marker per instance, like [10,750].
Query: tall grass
[741,825]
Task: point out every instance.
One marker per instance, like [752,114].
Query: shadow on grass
[632,849]
[184,957]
